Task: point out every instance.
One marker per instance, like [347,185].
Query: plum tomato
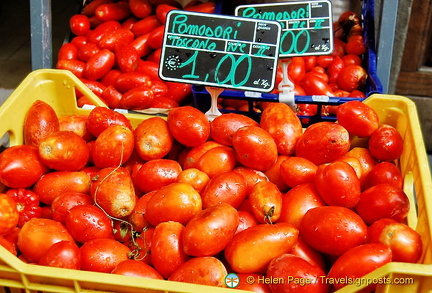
[352,77]
[266,202]
[79,24]
[100,118]
[198,179]
[297,170]
[384,172]
[9,214]
[250,176]
[140,8]
[136,268]
[65,201]
[194,153]
[99,64]
[312,256]
[209,232]
[137,98]
[358,118]
[386,143]
[246,220]
[217,160]
[157,173]
[27,203]
[77,124]
[62,254]
[41,120]
[332,229]
[274,174]
[383,201]
[366,160]
[224,126]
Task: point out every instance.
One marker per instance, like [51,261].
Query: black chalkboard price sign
[306,25]
[221,51]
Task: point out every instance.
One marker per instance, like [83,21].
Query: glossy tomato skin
[102,255]
[27,204]
[332,229]
[100,118]
[358,262]
[153,139]
[217,160]
[136,268]
[64,202]
[224,126]
[157,173]
[250,176]
[137,98]
[193,154]
[251,250]
[99,64]
[386,143]
[366,160]
[352,77]
[9,215]
[338,184]
[323,142]
[63,254]
[284,126]
[208,233]
[297,170]
[112,11]
[189,126]
[302,276]
[383,201]
[358,118]
[126,57]
[38,235]
[255,148]
[384,172]
[64,151]
[266,202]
[206,270]
[21,166]
[79,24]
[77,124]
[198,179]
[274,174]
[41,120]
[312,256]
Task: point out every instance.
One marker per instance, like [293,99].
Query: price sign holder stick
[214,92]
[286,87]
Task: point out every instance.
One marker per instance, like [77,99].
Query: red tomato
[155,39]
[338,47]
[383,201]
[78,41]
[113,146]
[367,162]
[79,24]
[205,270]
[405,243]
[296,69]
[334,69]
[323,142]
[209,232]
[284,126]
[274,174]
[101,118]
[358,118]
[216,161]
[141,45]
[332,229]
[63,254]
[137,98]
[64,151]
[324,60]
[188,125]
[127,81]
[384,172]
[314,84]
[151,69]
[352,77]
[137,217]
[297,170]
[255,286]
[224,126]
[141,246]
[87,222]
[67,51]
[312,256]
[255,147]
[338,184]
[41,120]
[351,59]
[9,214]
[160,89]
[52,184]
[198,179]
[126,57]
[113,11]
[246,220]
[299,275]
[162,11]
[99,64]
[266,202]
[77,124]
[21,166]
[113,190]
[157,173]
[136,268]
[94,36]
[193,154]
[297,201]
[140,8]
[153,139]
[205,7]
[112,97]
[63,203]
[95,86]
[75,66]
[102,255]
[27,203]
[251,250]
[355,45]
[250,176]
[38,235]
[175,202]
[359,261]
[310,62]
[176,90]
[146,25]
[386,143]
[167,248]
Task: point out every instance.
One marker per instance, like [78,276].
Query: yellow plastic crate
[57,88]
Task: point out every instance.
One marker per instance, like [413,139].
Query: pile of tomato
[188,200]
[115,50]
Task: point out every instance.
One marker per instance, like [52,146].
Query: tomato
[126,57]
[352,77]
[99,64]
[78,41]
[8,245]
[68,51]
[38,235]
[351,59]
[64,202]
[127,81]
[146,25]
[9,214]
[297,201]
[296,69]
[94,86]
[358,118]
[355,45]
[102,255]
[383,201]
[175,202]
[136,268]
[160,89]
[140,8]
[324,60]
[79,24]
[188,125]
[386,143]
[155,39]
[112,97]
[227,187]
[300,275]
[27,203]
[176,90]
[216,161]
[338,48]
[113,11]
[297,170]
[205,7]
[332,229]
[137,98]
[40,120]
[21,166]
[153,139]
[94,36]
[63,254]
[367,162]
[151,69]
[224,126]
[255,147]
[334,69]
[405,243]
[310,62]
[314,84]
[141,45]
[323,142]
[384,172]
[208,232]
[312,256]
[52,184]
[75,123]
[359,261]
[255,286]
[283,125]
[157,173]
[75,66]
[140,246]
[101,118]
[64,151]
[246,220]
[162,11]
[193,155]
[196,178]
[266,202]
[113,191]
[338,184]
[251,250]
